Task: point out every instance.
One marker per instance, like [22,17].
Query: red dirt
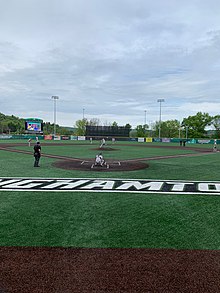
[88,166]
[68,270]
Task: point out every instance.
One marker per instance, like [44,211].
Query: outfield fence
[180,141]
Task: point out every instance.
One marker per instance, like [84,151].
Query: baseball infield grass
[119,220]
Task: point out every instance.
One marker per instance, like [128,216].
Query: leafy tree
[141,130]
[48,128]
[64,131]
[13,126]
[133,133]
[216,124]
[4,126]
[170,128]
[115,124]
[128,126]
[146,127]
[196,124]
[11,123]
[81,126]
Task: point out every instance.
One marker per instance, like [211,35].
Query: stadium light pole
[160,101]
[180,129]
[145,113]
[55,98]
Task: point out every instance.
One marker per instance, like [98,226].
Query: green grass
[188,168]
[81,219]
[109,220]
[121,151]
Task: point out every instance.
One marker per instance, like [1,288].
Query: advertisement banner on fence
[149,139]
[157,139]
[192,140]
[165,139]
[57,137]
[65,137]
[48,137]
[203,141]
[132,139]
[81,138]
[140,139]
[5,136]
[73,137]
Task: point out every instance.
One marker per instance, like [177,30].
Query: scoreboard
[34,125]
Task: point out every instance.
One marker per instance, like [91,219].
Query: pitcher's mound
[105,149]
[111,166]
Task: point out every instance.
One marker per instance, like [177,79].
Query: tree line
[10,124]
[195,126]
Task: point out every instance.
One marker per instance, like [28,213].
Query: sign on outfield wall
[57,137]
[48,137]
[165,139]
[203,141]
[81,138]
[5,136]
[140,139]
[111,185]
[149,139]
[65,137]
[157,139]
[73,137]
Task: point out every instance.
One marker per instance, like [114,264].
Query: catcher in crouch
[99,160]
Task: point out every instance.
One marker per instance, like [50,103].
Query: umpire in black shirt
[37,154]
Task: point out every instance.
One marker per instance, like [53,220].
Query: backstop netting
[107,131]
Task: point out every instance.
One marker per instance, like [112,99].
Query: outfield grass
[81,219]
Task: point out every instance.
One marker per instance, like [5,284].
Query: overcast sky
[112,58]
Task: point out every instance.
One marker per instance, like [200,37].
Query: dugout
[107,131]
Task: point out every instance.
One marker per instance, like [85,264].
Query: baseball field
[147,221]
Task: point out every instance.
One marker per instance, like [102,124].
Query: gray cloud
[112,58]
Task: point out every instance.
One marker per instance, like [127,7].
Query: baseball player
[102,143]
[99,160]
[215,146]
[37,154]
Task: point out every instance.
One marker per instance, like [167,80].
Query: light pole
[145,112]
[179,129]
[55,98]
[160,101]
